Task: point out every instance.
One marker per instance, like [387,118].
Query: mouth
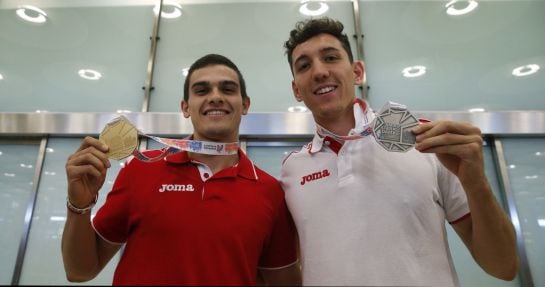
[216,113]
[325,90]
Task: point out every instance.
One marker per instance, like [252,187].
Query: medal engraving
[392,129]
[121,137]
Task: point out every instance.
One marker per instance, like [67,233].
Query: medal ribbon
[367,125]
[179,145]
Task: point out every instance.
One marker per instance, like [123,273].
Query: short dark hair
[309,28]
[211,60]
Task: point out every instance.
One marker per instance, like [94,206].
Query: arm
[84,252]
[488,232]
[288,276]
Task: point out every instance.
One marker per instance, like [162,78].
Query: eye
[229,89]
[200,91]
[302,66]
[331,58]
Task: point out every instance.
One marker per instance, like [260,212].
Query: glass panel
[269,155]
[41,71]
[251,34]
[469,272]
[43,260]
[525,158]
[469,58]
[17,164]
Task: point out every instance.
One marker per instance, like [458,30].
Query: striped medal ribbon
[121,136]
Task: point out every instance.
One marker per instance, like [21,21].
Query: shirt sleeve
[280,250]
[111,221]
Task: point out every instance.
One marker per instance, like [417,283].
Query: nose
[319,71]
[216,96]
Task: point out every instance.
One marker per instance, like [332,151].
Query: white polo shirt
[366,216]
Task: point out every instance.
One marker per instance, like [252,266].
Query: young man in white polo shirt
[368,216]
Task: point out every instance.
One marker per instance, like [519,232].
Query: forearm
[493,240]
[79,248]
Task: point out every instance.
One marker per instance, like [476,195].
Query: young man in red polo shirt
[190,218]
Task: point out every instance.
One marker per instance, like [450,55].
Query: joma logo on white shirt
[176,187]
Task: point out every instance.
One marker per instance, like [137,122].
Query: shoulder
[304,151]
[266,178]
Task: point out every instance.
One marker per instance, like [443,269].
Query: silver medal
[392,128]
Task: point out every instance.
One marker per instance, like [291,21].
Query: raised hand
[86,171]
[458,147]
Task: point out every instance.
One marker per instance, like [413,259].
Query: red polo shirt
[183,227]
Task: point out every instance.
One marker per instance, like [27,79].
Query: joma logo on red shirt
[314,176]
[176,187]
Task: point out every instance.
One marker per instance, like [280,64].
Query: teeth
[215,113]
[325,90]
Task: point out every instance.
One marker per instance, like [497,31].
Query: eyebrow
[208,84]
[322,51]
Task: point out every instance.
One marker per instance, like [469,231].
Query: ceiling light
[41,111]
[89,74]
[539,153]
[525,70]
[9,174]
[49,149]
[123,112]
[512,166]
[414,71]
[175,13]
[185,71]
[37,15]
[297,109]
[1,77]
[541,222]
[50,173]
[25,165]
[305,10]
[476,110]
[0,152]
[531,176]
[451,10]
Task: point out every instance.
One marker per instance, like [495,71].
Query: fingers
[431,129]
[447,137]
[90,159]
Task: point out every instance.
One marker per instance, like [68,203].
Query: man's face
[324,78]
[215,104]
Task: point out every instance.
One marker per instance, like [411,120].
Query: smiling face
[215,104]
[324,79]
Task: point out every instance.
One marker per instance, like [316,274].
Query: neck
[340,125]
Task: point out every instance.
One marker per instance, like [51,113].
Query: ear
[245,105]
[185,109]
[295,91]
[359,72]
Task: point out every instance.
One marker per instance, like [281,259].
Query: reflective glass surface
[17,165]
[525,160]
[41,63]
[43,260]
[469,59]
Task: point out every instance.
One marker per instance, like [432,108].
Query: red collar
[245,167]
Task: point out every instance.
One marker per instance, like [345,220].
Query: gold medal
[121,137]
